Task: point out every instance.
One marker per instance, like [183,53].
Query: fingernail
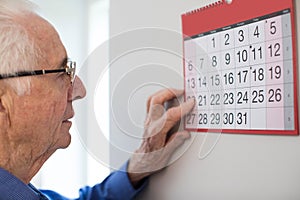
[192,100]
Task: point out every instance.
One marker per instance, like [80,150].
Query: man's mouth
[69,117]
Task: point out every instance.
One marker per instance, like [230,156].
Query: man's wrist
[137,179]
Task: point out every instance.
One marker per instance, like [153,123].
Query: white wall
[145,59]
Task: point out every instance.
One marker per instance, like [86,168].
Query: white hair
[17,50]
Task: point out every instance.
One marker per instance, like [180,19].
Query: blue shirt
[116,186]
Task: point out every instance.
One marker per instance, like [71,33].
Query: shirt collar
[12,188]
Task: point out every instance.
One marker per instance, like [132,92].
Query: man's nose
[77,90]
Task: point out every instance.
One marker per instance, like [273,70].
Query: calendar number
[190,97]
[242,76]
[215,99]
[201,62]
[190,118]
[275,72]
[213,42]
[258,74]
[202,81]
[227,58]
[274,50]
[273,28]
[257,53]
[228,78]
[203,118]
[241,36]
[258,96]
[215,118]
[228,98]
[227,37]
[256,32]
[242,56]
[214,61]
[242,97]
[228,118]
[241,118]
[275,95]
[215,80]
[201,100]
[191,83]
[190,66]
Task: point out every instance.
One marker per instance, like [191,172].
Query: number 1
[214,42]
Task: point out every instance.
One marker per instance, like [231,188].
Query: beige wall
[239,167]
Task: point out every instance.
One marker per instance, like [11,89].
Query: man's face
[39,121]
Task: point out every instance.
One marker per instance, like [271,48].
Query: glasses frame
[70,69]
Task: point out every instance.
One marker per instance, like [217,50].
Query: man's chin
[64,136]
[65,141]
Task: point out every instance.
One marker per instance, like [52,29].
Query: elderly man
[37,88]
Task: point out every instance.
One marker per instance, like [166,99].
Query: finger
[181,135]
[173,115]
[176,140]
[157,103]
[156,112]
[162,96]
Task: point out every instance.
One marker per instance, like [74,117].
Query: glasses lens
[71,66]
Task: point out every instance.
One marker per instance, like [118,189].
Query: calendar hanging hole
[228,1]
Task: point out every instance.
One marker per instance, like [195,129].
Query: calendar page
[242,73]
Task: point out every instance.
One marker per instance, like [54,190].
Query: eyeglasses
[70,69]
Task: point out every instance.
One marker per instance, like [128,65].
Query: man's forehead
[39,28]
[46,38]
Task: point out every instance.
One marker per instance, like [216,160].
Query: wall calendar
[240,66]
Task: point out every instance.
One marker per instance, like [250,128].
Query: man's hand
[157,148]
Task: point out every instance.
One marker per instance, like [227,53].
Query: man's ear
[4,111]
[1,106]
